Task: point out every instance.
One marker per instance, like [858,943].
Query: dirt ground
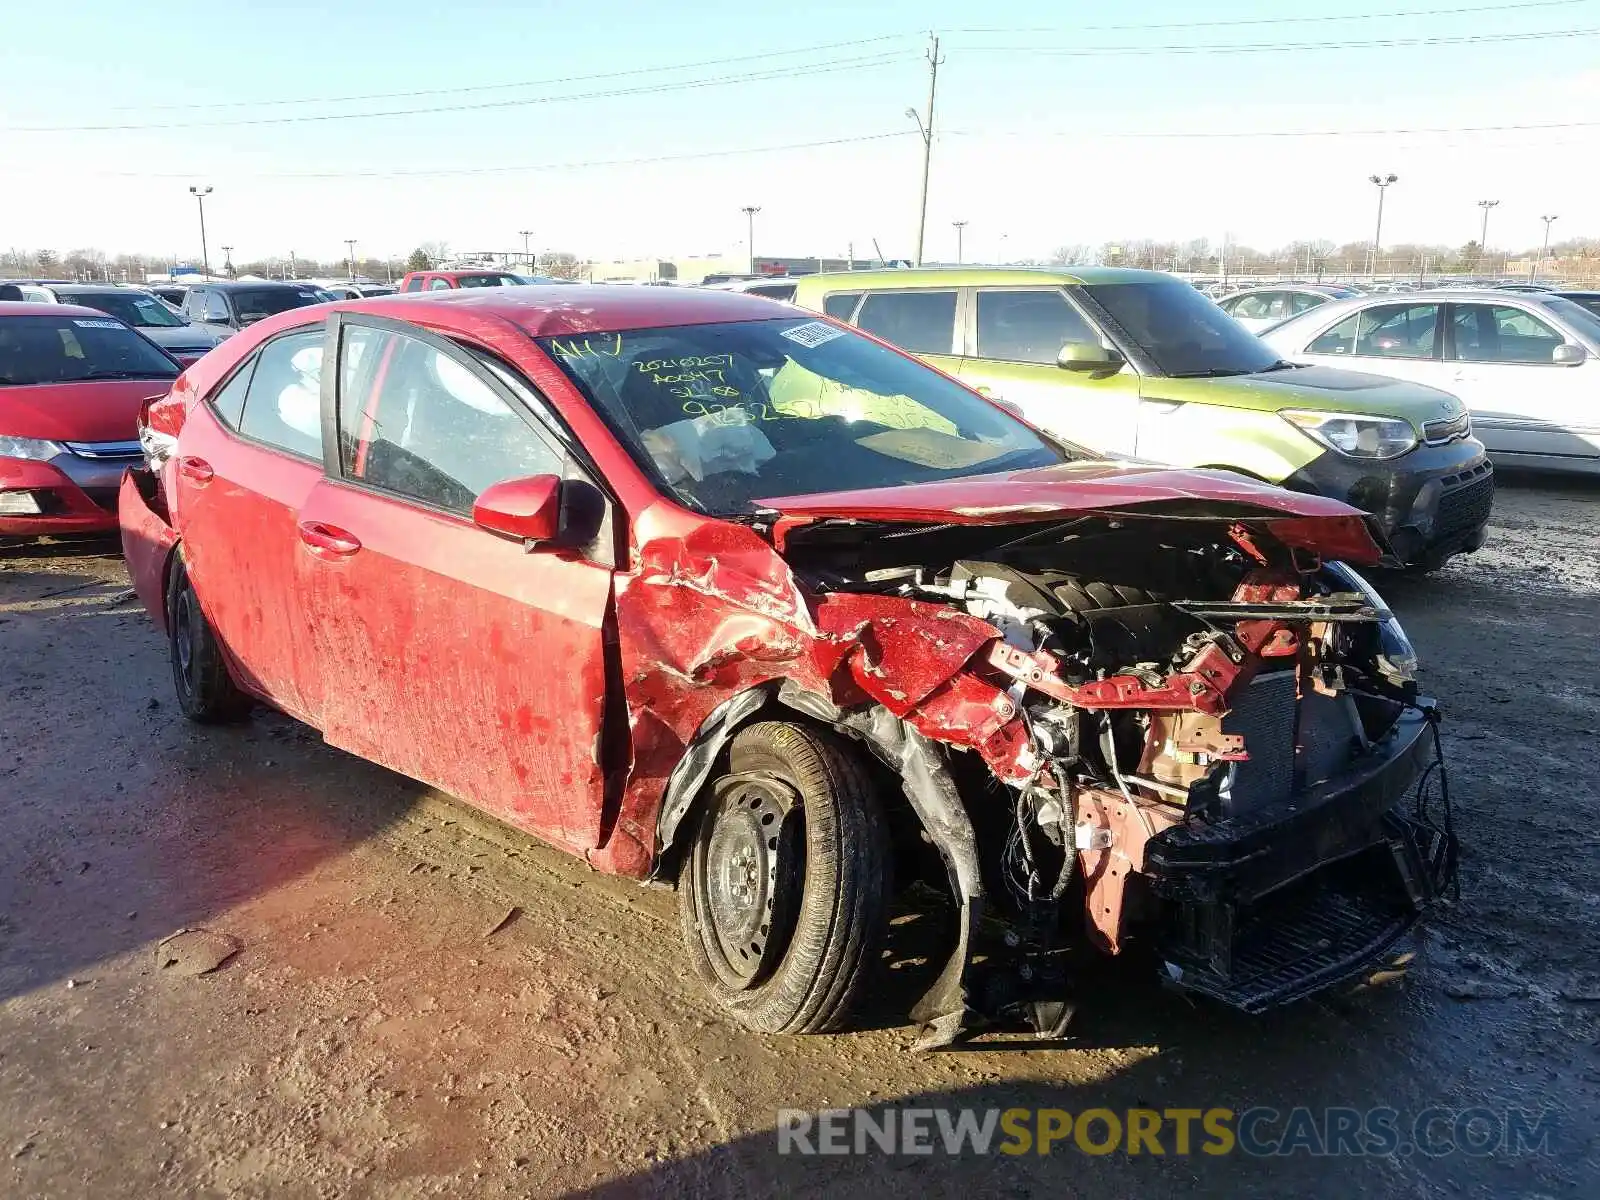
[373,1037]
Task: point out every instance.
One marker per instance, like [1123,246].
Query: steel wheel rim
[750,867]
[183,635]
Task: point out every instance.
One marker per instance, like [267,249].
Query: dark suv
[225,308]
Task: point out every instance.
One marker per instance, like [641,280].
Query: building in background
[694,268]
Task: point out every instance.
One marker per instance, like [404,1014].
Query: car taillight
[160,419]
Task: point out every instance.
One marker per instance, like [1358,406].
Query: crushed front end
[1219,757]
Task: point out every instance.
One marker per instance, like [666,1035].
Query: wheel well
[167,567]
[680,819]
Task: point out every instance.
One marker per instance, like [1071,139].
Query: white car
[1527,365]
[1263,307]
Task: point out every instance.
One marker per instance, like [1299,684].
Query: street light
[350,260]
[1544,253]
[526,252]
[750,211]
[1382,182]
[227,260]
[961,229]
[1483,237]
[200,195]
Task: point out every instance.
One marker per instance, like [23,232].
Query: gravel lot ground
[374,1038]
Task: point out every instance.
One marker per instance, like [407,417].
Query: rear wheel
[206,692]
[784,891]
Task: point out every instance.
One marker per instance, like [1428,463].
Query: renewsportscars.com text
[1259,1132]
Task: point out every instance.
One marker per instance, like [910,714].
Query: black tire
[815,905]
[206,692]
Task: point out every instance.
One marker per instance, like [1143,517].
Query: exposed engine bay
[1220,733]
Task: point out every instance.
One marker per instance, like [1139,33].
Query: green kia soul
[1138,363]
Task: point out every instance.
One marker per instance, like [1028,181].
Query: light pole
[350,258]
[526,252]
[200,194]
[961,229]
[925,128]
[1382,182]
[1545,252]
[1483,237]
[227,260]
[750,211]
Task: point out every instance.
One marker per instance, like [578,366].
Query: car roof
[1319,288]
[92,289]
[979,276]
[30,308]
[232,285]
[557,310]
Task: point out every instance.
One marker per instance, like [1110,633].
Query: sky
[617,129]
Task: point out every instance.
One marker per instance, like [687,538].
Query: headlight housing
[1398,657]
[1356,435]
[36,449]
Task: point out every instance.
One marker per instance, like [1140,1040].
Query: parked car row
[1138,364]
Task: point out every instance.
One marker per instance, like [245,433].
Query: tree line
[95,265]
[1578,256]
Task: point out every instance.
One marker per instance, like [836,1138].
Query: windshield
[727,414]
[138,309]
[67,349]
[1183,333]
[1582,311]
[254,304]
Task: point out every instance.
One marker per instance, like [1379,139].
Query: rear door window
[1028,326]
[283,403]
[1498,333]
[1254,307]
[922,322]
[438,284]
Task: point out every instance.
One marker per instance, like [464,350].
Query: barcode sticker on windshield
[93,323]
[812,333]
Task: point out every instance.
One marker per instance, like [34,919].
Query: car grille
[105,449]
[1302,939]
[1437,433]
[1466,504]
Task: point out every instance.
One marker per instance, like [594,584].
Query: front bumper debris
[1279,903]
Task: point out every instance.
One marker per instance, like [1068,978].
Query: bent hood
[100,410]
[1326,389]
[1063,490]
[1330,527]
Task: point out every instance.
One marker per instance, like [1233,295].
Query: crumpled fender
[147,544]
[711,611]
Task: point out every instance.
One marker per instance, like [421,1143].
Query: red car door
[449,653]
[249,456]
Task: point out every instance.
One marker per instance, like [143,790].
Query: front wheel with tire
[206,692]
[784,892]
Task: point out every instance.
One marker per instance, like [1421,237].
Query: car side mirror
[542,511]
[1089,356]
[1568,354]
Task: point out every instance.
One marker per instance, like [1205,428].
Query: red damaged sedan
[713,593]
[72,381]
